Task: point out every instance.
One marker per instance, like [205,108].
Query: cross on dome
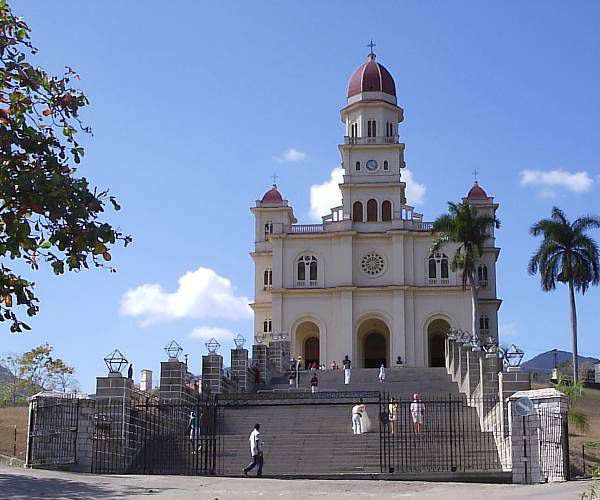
[371,54]
[475,173]
[275,177]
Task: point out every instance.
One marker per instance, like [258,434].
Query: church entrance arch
[436,335]
[307,342]
[373,337]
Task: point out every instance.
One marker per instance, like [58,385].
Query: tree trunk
[574,330]
[474,306]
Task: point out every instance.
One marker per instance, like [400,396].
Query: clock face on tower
[372,165]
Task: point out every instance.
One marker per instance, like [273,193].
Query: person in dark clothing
[314,383]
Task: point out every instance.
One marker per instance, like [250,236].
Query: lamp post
[513,357]
[173,350]
[116,363]
[212,346]
[239,341]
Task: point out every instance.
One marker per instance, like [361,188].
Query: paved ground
[33,484]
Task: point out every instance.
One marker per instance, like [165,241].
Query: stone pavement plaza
[32,484]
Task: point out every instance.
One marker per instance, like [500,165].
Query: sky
[194,106]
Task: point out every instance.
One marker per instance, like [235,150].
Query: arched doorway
[311,351]
[436,335]
[307,342]
[373,338]
[375,350]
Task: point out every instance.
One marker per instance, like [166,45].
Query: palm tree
[567,254]
[469,229]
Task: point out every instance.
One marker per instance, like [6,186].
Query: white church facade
[364,282]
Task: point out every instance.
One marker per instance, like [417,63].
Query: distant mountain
[545,362]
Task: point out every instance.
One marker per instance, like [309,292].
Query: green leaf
[46,245]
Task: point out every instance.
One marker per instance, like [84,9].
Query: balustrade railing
[371,140]
[306,228]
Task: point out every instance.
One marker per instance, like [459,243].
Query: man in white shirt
[255,451]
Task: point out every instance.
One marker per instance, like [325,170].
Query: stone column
[212,372]
[261,362]
[527,433]
[114,388]
[173,382]
[85,433]
[239,367]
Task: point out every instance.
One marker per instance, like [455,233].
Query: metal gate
[154,437]
[553,437]
[53,431]
[437,434]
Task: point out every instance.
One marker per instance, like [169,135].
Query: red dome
[272,196]
[371,77]
[477,193]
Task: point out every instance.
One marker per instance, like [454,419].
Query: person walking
[314,383]
[292,376]
[417,411]
[256,452]
[347,369]
[357,413]
[382,374]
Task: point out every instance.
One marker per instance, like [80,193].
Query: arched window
[432,268]
[301,270]
[386,165]
[484,324]
[438,271]
[307,268]
[386,210]
[444,268]
[371,128]
[267,325]
[354,129]
[313,270]
[358,166]
[268,278]
[389,129]
[371,210]
[482,275]
[357,211]
[268,229]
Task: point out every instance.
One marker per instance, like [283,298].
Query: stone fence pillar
[174,382]
[212,372]
[279,354]
[239,367]
[545,427]
[261,362]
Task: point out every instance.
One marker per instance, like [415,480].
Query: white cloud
[547,181]
[208,332]
[325,196]
[415,192]
[507,330]
[201,294]
[292,155]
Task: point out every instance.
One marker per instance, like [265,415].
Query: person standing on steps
[392,414]
[314,383]
[256,452]
[417,411]
[194,429]
[382,374]
[357,413]
[347,369]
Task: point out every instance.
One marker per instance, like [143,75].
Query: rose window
[372,264]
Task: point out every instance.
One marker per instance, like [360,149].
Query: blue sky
[194,105]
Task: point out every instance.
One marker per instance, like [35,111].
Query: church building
[364,282]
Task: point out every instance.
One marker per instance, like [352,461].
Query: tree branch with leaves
[47,214]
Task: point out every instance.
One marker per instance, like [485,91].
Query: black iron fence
[53,431]
[156,438]
[436,434]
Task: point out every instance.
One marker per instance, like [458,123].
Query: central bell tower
[372,155]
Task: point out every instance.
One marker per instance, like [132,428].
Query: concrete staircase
[399,381]
[314,438]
